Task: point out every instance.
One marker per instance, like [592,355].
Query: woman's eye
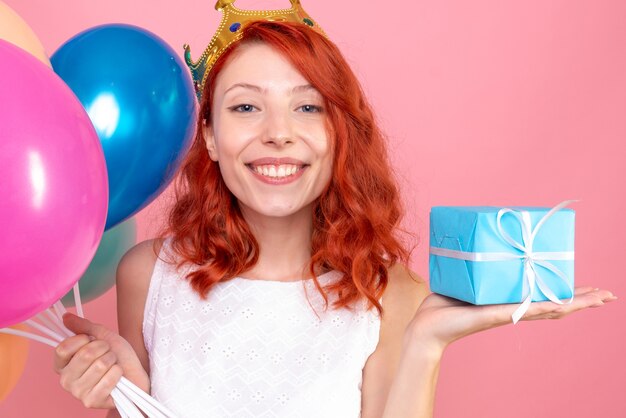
[311,108]
[244,108]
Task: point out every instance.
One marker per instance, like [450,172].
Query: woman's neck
[284,245]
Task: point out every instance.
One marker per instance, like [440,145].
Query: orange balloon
[13,29]
[13,354]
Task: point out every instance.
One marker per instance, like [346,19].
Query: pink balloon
[53,187]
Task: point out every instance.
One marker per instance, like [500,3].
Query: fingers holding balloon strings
[57,317]
[42,328]
[109,383]
[50,325]
[122,399]
[52,322]
[97,375]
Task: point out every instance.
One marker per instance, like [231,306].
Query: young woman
[281,288]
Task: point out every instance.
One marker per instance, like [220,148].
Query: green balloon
[100,276]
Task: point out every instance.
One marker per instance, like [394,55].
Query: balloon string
[29,335]
[128,398]
[143,403]
[130,387]
[127,406]
[118,405]
[59,310]
[59,323]
[48,323]
[41,328]
[77,303]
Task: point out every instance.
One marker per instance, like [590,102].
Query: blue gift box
[484,268]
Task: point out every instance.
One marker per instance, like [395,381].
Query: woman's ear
[209,140]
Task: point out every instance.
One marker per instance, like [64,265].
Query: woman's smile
[277,170]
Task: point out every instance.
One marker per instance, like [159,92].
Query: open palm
[442,320]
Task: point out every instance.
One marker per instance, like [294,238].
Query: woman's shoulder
[405,292]
[139,260]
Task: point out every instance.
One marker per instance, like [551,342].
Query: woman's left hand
[440,320]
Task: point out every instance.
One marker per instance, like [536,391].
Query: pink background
[485,103]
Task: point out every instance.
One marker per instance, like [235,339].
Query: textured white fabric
[254,348]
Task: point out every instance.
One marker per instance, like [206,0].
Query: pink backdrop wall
[496,103]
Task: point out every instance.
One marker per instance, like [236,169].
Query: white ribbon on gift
[530,258]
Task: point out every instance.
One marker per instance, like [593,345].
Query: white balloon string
[48,323]
[143,403]
[127,406]
[126,385]
[118,405]
[77,302]
[58,322]
[41,328]
[59,310]
[29,335]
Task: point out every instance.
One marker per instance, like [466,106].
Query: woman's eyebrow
[296,89]
[245,86]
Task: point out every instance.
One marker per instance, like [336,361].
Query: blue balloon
[140,98]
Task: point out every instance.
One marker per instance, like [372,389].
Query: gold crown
[230,30]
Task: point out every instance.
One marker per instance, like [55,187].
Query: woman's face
[268,133]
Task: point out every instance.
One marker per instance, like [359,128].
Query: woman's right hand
[92,362]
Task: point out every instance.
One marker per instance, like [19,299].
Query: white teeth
[273,171]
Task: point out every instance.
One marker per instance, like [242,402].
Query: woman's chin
[277,210]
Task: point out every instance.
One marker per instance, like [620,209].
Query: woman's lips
[276,161]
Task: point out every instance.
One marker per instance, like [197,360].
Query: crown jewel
[230,30]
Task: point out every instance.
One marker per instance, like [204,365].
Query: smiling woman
[256,116]
[261,129]
[280,286]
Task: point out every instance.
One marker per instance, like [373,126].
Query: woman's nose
[279,129]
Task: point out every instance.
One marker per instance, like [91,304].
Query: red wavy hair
[355,220]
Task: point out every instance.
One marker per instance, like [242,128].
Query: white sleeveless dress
[254,348]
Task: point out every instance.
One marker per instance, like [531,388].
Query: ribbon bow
[531,259]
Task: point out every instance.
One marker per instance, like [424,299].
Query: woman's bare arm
[133,280]
[400,377]
[403,296]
